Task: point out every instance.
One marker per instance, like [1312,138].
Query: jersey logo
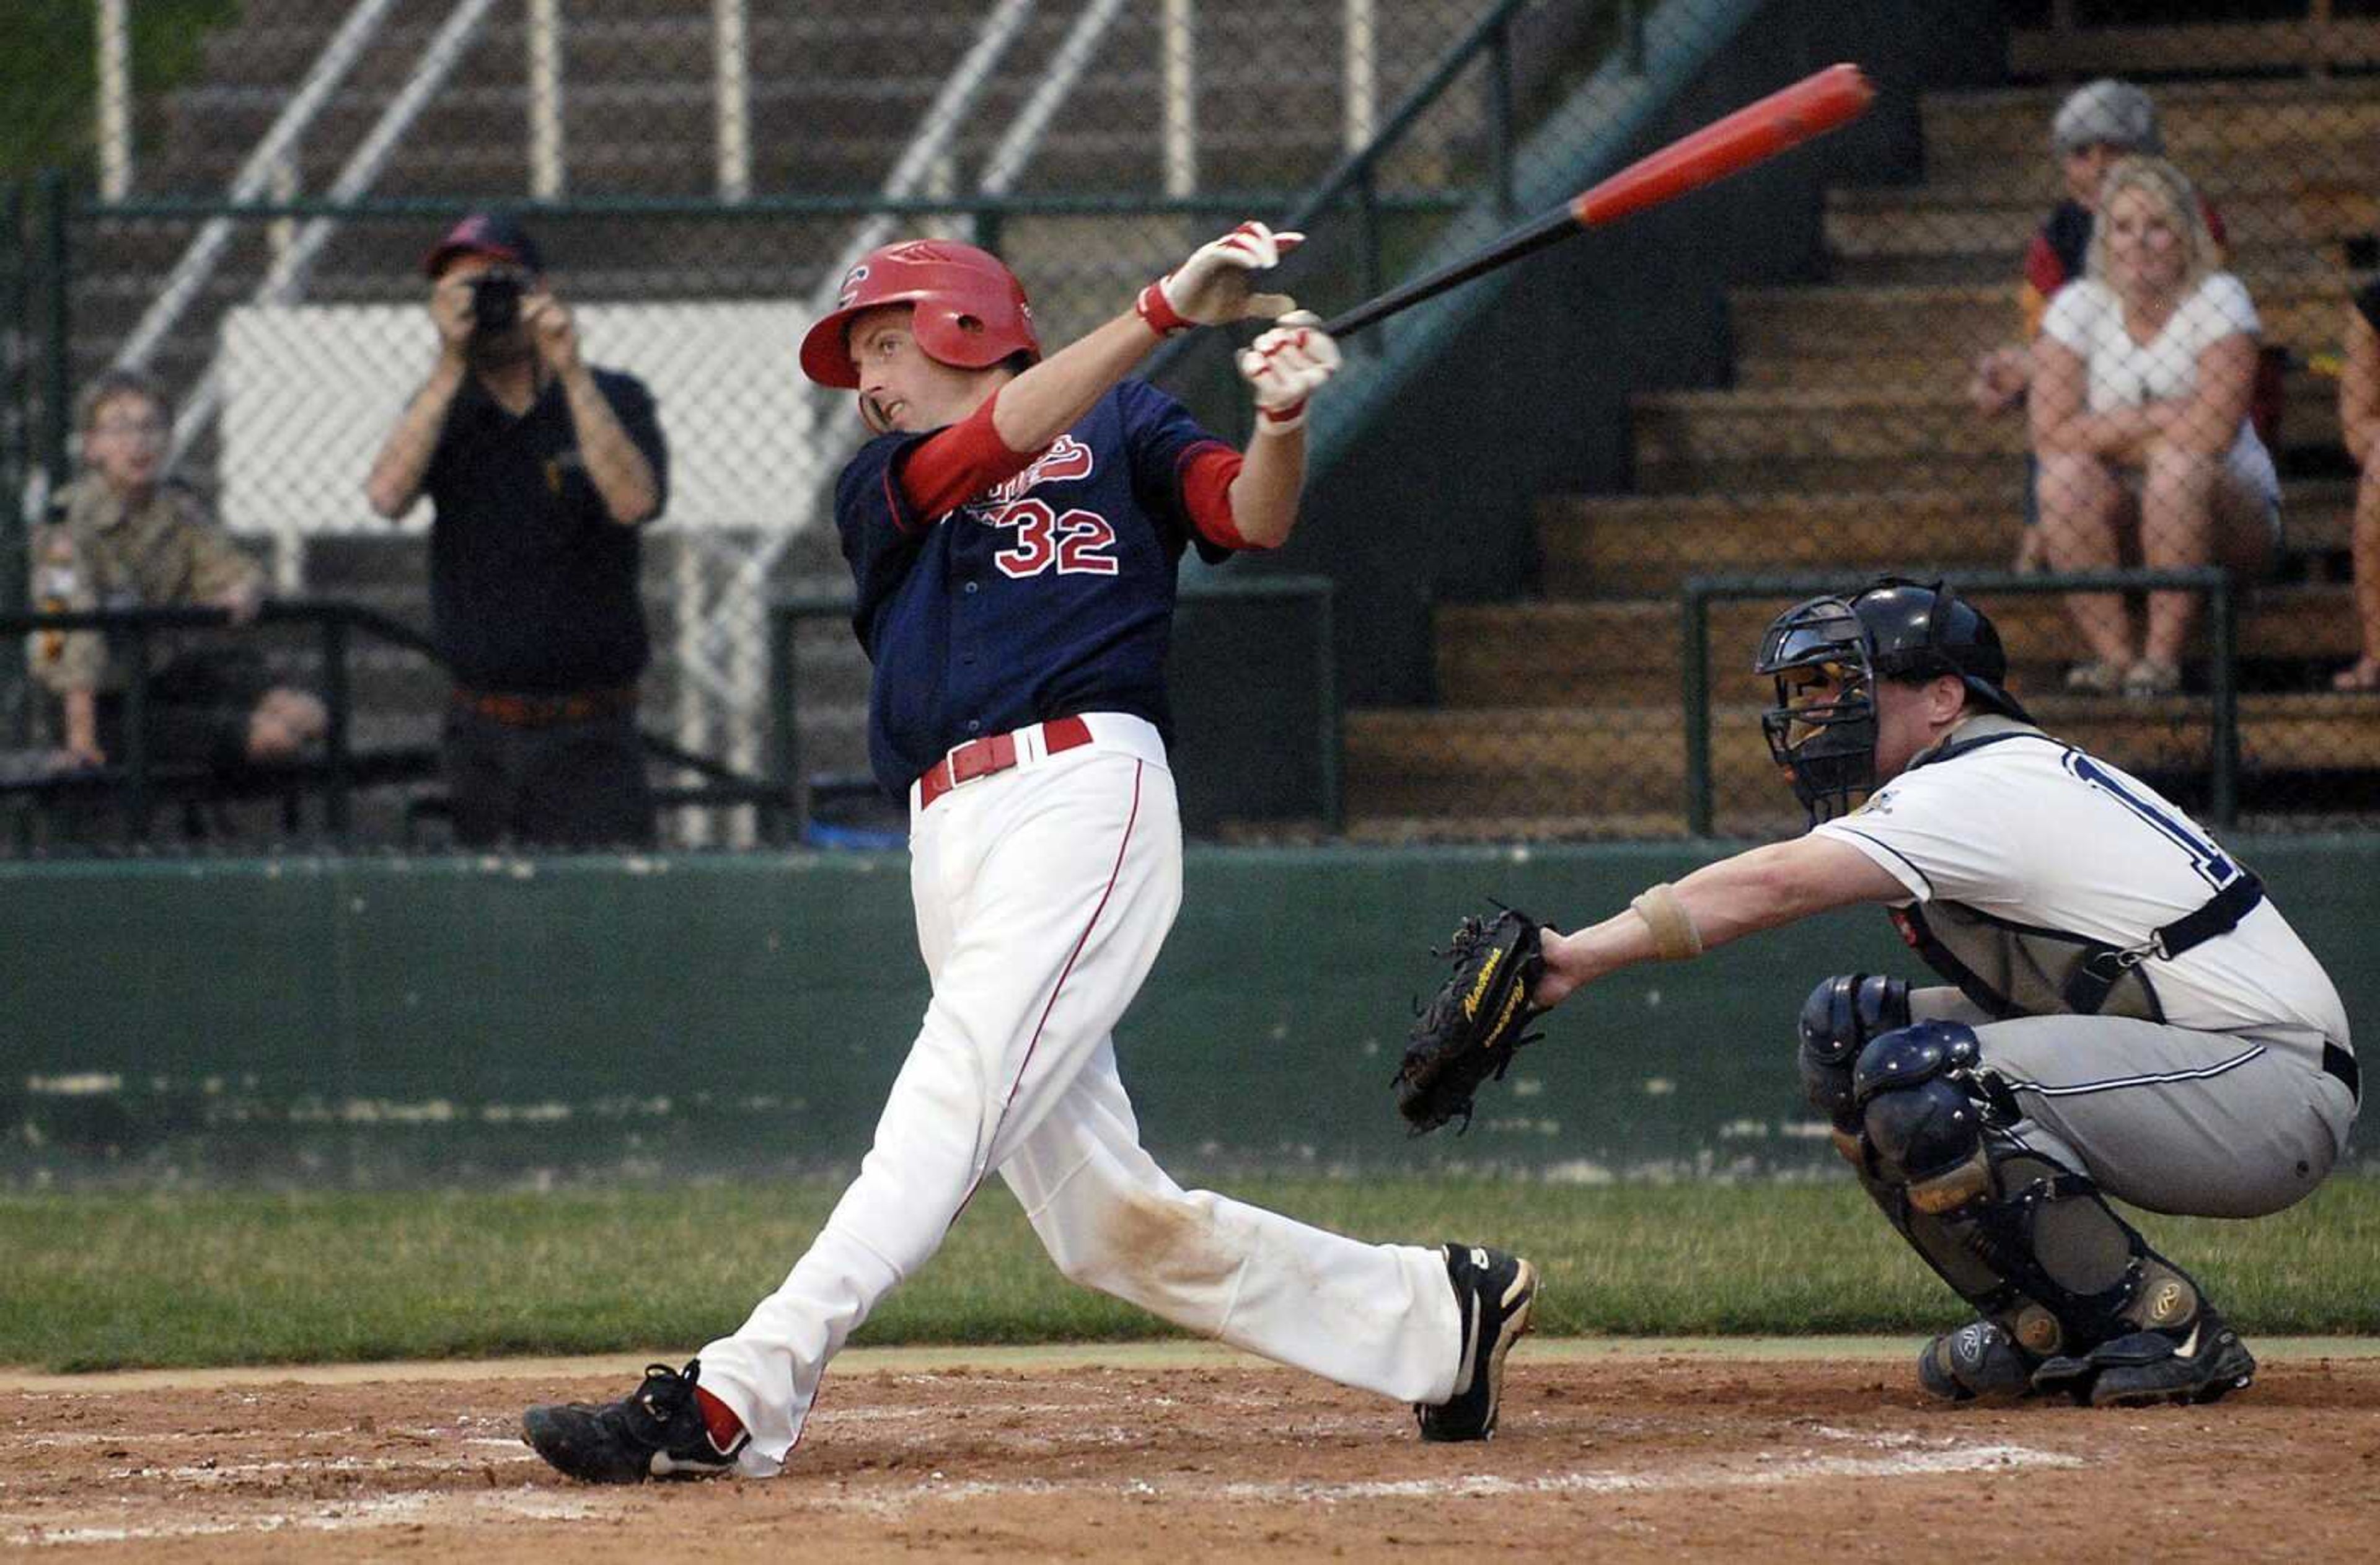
[1068,460]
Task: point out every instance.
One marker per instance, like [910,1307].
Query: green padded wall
[387,1020]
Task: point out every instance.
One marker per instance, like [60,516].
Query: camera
[495,303]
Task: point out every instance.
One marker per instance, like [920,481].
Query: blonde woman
[2142,378]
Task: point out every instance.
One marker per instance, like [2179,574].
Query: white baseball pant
[1042,895]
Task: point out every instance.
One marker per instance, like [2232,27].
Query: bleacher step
[1628,763]
[1619,652]
[2308,314]
[1649,544]
[2003,135]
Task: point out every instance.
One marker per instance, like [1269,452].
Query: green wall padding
[390,1021]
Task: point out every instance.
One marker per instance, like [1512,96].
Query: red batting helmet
[971,310]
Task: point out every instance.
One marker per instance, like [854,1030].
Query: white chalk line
[1768,1471]
[413,1508]
[1756,1469]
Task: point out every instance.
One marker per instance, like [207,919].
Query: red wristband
[1280,421]
[1156,313]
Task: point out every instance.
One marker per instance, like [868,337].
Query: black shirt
[532,584]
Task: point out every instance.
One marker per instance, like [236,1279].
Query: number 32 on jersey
[1074,542]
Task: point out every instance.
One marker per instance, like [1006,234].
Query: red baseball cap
[493,234]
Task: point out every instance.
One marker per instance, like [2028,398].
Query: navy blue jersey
[1051,594]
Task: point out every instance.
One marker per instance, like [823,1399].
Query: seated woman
[2142,382]
[2359,421]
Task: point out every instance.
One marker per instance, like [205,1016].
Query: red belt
[997,752]
[539,711]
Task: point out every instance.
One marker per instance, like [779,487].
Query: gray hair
[2108,112]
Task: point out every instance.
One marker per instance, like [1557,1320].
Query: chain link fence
[1833,367]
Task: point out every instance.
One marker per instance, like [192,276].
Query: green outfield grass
[100,1281]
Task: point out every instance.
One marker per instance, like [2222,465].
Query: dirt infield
[1620,1454]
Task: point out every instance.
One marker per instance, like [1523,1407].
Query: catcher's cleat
[1976,1361]
[1497,1292]
[2149,1367]
[657,1431]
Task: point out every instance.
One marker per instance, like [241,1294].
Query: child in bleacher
[126,536]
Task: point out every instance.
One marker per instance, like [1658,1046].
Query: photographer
[540,469]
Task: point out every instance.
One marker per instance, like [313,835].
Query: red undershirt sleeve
[1205,473]
[955,465]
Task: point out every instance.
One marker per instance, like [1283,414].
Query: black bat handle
[1555,226]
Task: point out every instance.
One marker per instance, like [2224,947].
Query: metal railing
[1358,173]
[788,614]
[1698,593]
[135,629]
[342,769]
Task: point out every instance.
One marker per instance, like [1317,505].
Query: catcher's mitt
[1466,1036]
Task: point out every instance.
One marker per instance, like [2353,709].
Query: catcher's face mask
[1822,731]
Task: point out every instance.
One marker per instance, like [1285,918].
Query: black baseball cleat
[2149,1367]
[1497,1292]
[657,1431]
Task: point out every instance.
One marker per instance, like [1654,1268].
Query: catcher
[2126,1013]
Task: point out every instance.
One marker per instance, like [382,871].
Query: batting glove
[1284,366]
[1212,286]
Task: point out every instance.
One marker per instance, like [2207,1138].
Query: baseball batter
[1014,531]
[2127,1014]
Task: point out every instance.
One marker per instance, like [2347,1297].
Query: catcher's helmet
[971,308]
[1894,628]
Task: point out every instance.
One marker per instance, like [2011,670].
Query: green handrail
[1355,173]
[17,444]
[57,395]
[439,209]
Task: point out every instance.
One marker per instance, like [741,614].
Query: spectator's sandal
[2362,675]
[2099,678]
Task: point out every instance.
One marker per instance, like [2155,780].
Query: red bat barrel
[1810,107]
[1758,131]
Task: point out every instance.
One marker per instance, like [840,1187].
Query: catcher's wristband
[1674,935]
[1156,312]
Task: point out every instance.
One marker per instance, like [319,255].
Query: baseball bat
[1752,135]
